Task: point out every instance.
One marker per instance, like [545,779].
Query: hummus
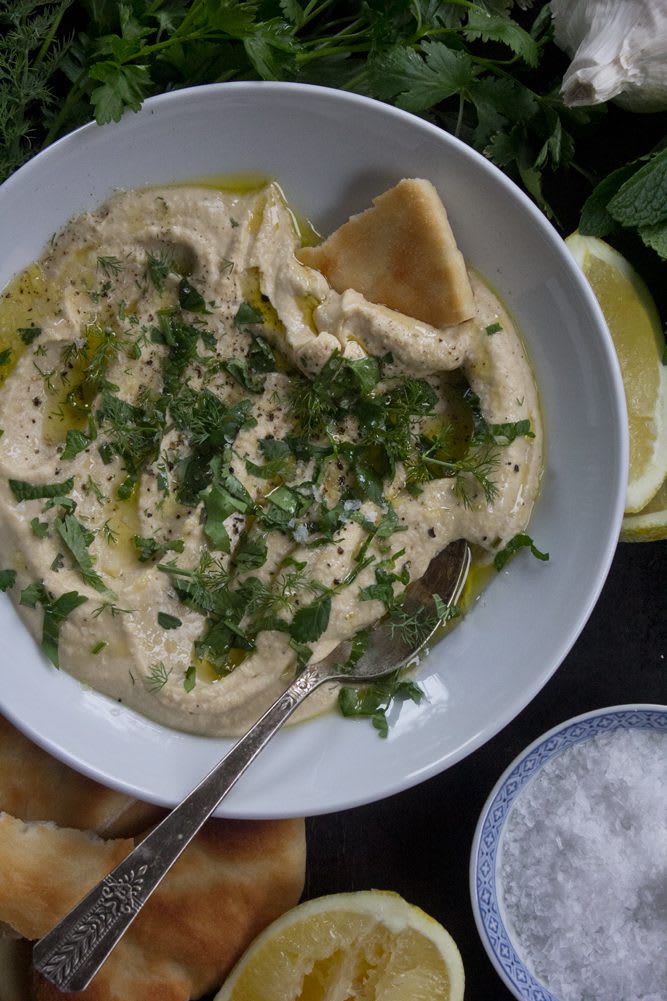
[214,466]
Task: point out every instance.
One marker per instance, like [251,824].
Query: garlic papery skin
[618,50]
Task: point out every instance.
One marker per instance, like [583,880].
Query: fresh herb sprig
[469,64]
[486,70]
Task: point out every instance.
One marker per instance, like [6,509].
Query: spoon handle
[71,953]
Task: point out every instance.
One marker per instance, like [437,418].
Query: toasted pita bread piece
[400,253]
[36,786]
[232,881]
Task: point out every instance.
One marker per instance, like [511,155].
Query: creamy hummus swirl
[103,305]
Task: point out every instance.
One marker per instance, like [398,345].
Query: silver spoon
[70,954]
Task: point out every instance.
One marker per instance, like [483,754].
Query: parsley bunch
[486,70]
[468,65]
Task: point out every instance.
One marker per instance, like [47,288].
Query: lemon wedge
[635,329]
[649,524]
[371,946]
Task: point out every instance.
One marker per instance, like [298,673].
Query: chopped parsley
[29,334]
[520,541]
[168,621]
[56,610]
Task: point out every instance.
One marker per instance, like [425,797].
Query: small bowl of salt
[568,873]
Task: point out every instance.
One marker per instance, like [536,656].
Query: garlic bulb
[618,50]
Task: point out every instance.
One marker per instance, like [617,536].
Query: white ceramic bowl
[332,152]
[485,883]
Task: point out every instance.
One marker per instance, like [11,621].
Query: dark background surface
[418,842]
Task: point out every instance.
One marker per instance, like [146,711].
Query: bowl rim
[259,90]
[487,838]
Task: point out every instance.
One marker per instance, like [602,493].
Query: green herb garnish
[56,610]
[29,334]
[168,621]
[34,491]
[520,541]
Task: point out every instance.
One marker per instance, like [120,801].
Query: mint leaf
[77,539]
[7,579]
[655,237]
[642,200]
[33,491]
[595,219]
[310,621]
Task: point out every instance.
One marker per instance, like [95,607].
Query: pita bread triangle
[400,253]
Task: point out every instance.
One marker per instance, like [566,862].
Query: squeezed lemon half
[649,524]
[368,946]
[634,325]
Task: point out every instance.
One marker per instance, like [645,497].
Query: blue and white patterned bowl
[484,872]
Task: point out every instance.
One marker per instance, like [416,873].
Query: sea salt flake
[583,869]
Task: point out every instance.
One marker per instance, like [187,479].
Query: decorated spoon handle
[72,952]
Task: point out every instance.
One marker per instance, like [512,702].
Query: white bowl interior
[332,152]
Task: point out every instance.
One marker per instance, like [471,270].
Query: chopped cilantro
[7,579]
